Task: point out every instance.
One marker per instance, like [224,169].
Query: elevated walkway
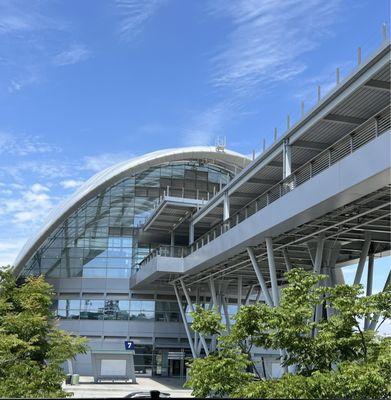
[360,173]
[355,166]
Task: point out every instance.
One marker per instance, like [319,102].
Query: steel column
[191,232]
[288,263]
[213,293]
[190,304]
[199,345]
[258,295]
[332,263]
[375,318]
[319,254]
[363,257]
[172,243]
[371,258]
[240,293]
[185,324]
[248,295]
[259,275]
[272,270]
[216,306]
[226,315]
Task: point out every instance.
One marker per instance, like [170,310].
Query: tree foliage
[32,348]
[333,357]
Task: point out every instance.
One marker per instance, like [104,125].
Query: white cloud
[207,125]
[38,188]
[75,54]
[267,38]
[99,162]
[22,145]
[71,183]
[32,204]
[9,249]
[135,14]
[15,17]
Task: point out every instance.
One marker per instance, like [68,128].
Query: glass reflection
[99,239]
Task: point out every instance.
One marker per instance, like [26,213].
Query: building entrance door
[175,368]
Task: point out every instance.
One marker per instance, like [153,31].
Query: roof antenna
[221,142]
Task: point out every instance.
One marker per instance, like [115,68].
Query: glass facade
[99,240]
[161,311]
[126,310]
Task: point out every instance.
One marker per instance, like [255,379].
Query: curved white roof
[227,159]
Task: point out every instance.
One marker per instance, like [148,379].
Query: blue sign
[129,345]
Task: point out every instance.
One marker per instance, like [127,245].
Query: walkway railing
[366,132]
[361,135]
[166,251]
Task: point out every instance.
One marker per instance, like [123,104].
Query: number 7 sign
[129,345]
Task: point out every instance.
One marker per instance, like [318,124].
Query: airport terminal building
[132,251]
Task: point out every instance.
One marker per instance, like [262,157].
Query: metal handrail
[166,251]
[355,139]
[345,146]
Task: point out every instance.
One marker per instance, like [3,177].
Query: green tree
[32,348]
[332,358]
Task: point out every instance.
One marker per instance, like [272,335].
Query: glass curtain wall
[99,240]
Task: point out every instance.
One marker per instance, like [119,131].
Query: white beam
[272,270]
[259,275]
[240,293]
[226,315]
[363,257]
[369,284]
[288,263]
[213,293]
[226,206]
[248,295]
[319,254]
[379,85]
[190,304]
[286,158]
[185,324]
[344,119]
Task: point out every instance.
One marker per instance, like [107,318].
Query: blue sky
[84,84]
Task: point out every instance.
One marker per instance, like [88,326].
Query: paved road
[87,388]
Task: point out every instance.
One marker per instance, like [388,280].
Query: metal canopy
[360,96]
[170,213]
